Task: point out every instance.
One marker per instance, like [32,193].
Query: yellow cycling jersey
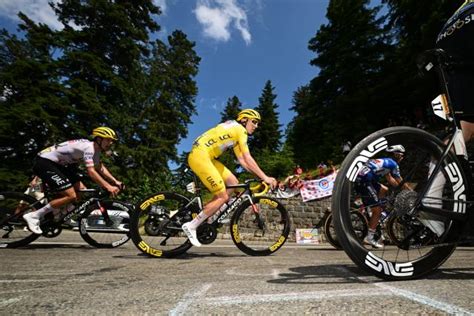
[225,135]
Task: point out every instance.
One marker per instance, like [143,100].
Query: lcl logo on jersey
[210,142]
[224,137]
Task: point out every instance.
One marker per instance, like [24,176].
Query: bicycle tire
[96,232]
[260,233]
[167,211]
[396,231]
[330,233]
[391,262]
[359,221]
[13,229]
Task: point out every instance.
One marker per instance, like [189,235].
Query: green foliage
[101,69]
[367,74]
[232,109]
[147,187]
[276,164]
[268,135]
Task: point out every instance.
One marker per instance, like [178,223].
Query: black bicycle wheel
[330,232]
[397,230]
[262,228]
[359,223]
[423,151]
[99,232]
[155,225]
[13,229]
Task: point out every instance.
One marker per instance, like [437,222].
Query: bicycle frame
[442,107]
[64,218]
[241,196]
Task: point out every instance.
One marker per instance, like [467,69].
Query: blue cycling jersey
[377,168]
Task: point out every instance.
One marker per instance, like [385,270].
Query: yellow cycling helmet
[249,114]
[104,132]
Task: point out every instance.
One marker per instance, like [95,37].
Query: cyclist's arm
[108,175]
[247,161]
[97,178]
[395,182]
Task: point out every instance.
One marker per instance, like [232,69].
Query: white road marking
[188,299]
[443,306]
[9,301]
[425,300]
[292,296]
[52,243]
[29,280]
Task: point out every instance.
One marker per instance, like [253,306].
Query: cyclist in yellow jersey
[215,176]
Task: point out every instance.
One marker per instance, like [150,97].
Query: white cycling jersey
[72,152]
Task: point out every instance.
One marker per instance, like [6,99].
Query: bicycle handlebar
[256,189]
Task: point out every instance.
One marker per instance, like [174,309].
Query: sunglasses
[255,122]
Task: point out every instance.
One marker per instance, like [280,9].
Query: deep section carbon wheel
[155,225]
[106,230]
[13,229]
[424,241]
[261,228]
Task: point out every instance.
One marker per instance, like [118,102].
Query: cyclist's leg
[57,179]
[212,173]
[380,190]
[370,196]
[468,129]
[205,168]
[228,176]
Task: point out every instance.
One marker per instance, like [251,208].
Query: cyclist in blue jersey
[372,191]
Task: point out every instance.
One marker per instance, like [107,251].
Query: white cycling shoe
[374,243]
[191,233]
[33,223]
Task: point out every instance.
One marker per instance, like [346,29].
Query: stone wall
[302,214]
[306,214]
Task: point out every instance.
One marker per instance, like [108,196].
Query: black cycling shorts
[457,39]
[56,176]
[369,192]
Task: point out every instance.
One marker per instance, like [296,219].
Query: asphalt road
[66,276]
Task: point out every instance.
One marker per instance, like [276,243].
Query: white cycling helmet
[396,149]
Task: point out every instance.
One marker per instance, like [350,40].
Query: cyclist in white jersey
[57,167]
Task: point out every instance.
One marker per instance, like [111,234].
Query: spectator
[321,169]
[346,147]
[291,185]
[293,181]
[332,168]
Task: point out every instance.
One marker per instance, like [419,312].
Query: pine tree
[349,53]
[232,109]
[101,69]
[413,27]
[268,134]
[31,103]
